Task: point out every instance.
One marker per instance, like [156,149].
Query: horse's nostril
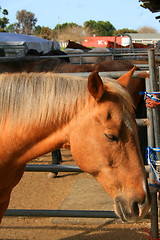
[135,208]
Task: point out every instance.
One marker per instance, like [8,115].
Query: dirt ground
[37,191]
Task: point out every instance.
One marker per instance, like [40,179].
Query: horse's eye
[111,137]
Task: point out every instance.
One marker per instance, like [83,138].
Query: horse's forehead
[119,114]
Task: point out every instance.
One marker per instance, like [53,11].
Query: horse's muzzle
[130,211]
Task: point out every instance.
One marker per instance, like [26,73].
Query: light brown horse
[42,112]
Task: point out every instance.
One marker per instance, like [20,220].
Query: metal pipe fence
[137,55]
[153,137]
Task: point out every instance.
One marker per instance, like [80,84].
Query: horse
[112,44]
[40,65]
[52,52]
[114,65]
[33,52]
[74,45]
[58,65]
[142,45]
[76,48]
[42,112]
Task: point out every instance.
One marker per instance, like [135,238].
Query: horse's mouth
[127,214]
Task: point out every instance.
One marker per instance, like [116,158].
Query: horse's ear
[125,80]
[95,85]
[133,86]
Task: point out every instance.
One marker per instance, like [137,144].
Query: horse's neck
[52,141]
[31,142]
[35,129]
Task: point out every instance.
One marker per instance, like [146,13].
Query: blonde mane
[37,98]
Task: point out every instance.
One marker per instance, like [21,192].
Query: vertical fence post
[154,88]
[150,134]
[56,159]
[154,140]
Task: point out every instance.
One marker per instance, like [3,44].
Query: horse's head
[104,142]
[110,44]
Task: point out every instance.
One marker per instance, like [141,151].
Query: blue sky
[122,14]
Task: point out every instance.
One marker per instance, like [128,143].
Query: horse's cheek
[77,149]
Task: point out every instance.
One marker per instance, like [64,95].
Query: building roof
[152,5]
[145,36]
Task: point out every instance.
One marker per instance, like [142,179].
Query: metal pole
[153,112]
[159,77]
[150,133]
[60,213]
[57,167]
[52,168]
[56,159]
[154,88]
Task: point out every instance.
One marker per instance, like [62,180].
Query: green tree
[91,25]
[104,28]
[26,22]
[59,28]
[4,12]
[64,26]
[100,28]
[48,33]
[37,30]
[12,28]
[3,20]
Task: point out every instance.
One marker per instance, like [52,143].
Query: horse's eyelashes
[111,137]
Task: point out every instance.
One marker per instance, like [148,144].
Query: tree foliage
[72,32]
[125,30]
[147,29]
[91,25]
[48,33]
[5,12]
[100,28]
[12,28]
[37,30]
[63,26]
[3,20]
[26,22]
